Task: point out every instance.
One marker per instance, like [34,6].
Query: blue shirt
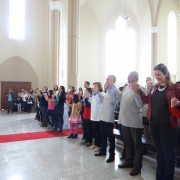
[9,97]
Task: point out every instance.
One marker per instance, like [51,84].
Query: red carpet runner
[34,135]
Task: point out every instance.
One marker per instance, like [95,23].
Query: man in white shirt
[130,118]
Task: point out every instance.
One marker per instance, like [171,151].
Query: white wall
[162,36]
[89,64]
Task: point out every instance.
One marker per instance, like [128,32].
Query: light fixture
[125,16]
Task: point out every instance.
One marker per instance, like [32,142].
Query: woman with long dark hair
[59,109]
[163,125]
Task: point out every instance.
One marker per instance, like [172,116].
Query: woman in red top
[163,125]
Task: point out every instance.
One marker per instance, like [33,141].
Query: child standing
[51,107]
[75,117]
[87,126]
[18,102]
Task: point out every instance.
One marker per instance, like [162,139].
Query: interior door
[15,86]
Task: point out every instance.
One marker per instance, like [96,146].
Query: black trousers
[87,126]
[59,121]
[133,143]
[106,131]
[96,132]
[164,139]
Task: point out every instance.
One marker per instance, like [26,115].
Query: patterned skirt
[75,118]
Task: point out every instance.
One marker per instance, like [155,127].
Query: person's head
[38,92]
[29,94]
[133,77]
[97,87]
[50,93]
[44,88]
[162,75]
[88,92]
[62,89]
[86,84]
[121,88]
[72,90]
[22,90]
[31,90]
[80,89]
[19,94]
[75,98]
[149,79]
[55,88]
[26,92]
[110,80]
[149,85]
[10,90]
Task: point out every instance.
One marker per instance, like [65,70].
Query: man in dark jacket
[10,96]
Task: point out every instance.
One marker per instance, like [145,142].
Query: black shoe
[126,165]
[75,136]
[100,154]
[110,159]
[135,171]
[70,136]
[59,132]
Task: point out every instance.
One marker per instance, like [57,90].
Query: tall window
[120,51]
[172,43]
[16,19]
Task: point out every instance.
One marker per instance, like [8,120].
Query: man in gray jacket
[109,102]
[10,96]
[130,118]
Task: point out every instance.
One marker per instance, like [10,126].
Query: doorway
[15,86]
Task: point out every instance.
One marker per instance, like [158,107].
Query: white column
[73,42]
[54,41]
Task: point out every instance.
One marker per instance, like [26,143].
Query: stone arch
[18,69]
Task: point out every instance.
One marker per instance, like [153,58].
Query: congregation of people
[94,108]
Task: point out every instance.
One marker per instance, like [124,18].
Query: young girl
[29,101]
[75,117]
[18,102]
[51,107]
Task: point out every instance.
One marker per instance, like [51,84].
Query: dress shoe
[126,165]
[135,171]
[110,159]
[75,136]
[100,154]
[70,136]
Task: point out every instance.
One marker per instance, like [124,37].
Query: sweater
[87,109]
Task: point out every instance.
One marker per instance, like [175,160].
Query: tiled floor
[56,158]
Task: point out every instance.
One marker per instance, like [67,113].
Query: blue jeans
[9,104]
[51,114]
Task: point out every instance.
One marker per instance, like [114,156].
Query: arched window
[172,43]
[16,19]
[120,51]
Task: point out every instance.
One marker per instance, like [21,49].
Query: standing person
[10,96]
[70,96]
[86,84]
[75,116]
[51,107]
[55,89]
[39,113]
[18,102]
[25,95]
[87,126]
[43,105]
[96,104]
[130,117]
[109,102]
[80,94]
[29,101]
[59,109]
[163,125]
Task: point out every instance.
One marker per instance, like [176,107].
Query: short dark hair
[178,82]
[87,82]
[75,98]
[89,90]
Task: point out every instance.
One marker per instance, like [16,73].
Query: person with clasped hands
[163,125]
